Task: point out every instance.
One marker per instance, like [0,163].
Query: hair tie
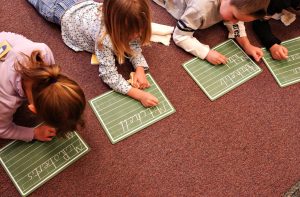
[52,80]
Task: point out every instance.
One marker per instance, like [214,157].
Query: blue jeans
[53,10]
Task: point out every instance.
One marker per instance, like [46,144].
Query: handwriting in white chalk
[237,75]
[296,70]
[235,59]
[142,116]
[51,164]
[294,57]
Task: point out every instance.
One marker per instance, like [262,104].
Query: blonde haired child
[114,28]
[28,71]
[201,14]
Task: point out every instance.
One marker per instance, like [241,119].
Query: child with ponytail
[28,72]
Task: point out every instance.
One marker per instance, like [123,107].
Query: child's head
[243,10]
[56,99]
[127,20]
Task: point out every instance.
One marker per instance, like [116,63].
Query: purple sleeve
[8,129]
[11,90]
[13,131]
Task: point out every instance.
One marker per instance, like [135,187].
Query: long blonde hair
[58,100]
[124,19]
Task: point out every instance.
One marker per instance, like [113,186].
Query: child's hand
[139,80]
[44,133]
[215,58]
[279,52]
[147,99]
[254,51]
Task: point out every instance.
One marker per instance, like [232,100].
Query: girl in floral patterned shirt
[116,28]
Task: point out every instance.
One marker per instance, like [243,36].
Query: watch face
[3,49]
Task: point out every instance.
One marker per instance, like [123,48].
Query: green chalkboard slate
[216,81]
[122,116]
[30,164]
[286,72]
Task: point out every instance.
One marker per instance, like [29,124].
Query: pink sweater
[11,92]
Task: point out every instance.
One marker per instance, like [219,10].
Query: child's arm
[9,130]
[184,38]
[269,40]
[183,35]
[189,43]
[110,76]
[147,99]
[263,31]
[238,32]
[139,80]
[44,133]
[279,52]
[15,132]
[139,63]
[250,49]
[15,40]
[108,71]
[22,45]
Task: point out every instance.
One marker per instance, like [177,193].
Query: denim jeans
[53,10]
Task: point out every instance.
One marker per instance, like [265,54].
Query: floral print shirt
[81,29]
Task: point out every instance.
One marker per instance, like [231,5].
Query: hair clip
[52,80]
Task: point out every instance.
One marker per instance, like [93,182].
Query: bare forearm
[243,41]
[251,50]
[135,93]
[147,99]
[140,69]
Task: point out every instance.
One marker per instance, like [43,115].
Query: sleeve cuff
[139,60]
[236,30]
[190,44]
[271,42]
[26,134]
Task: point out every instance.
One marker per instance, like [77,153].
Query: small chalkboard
[122,116]
[217,80]
[286,72]
[30,164]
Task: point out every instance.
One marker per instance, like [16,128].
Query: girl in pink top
[28,71]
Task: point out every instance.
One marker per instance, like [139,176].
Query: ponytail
[58,100]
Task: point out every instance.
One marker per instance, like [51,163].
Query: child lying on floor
[28,71]
[116,28]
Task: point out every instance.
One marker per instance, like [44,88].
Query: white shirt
[193,15]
